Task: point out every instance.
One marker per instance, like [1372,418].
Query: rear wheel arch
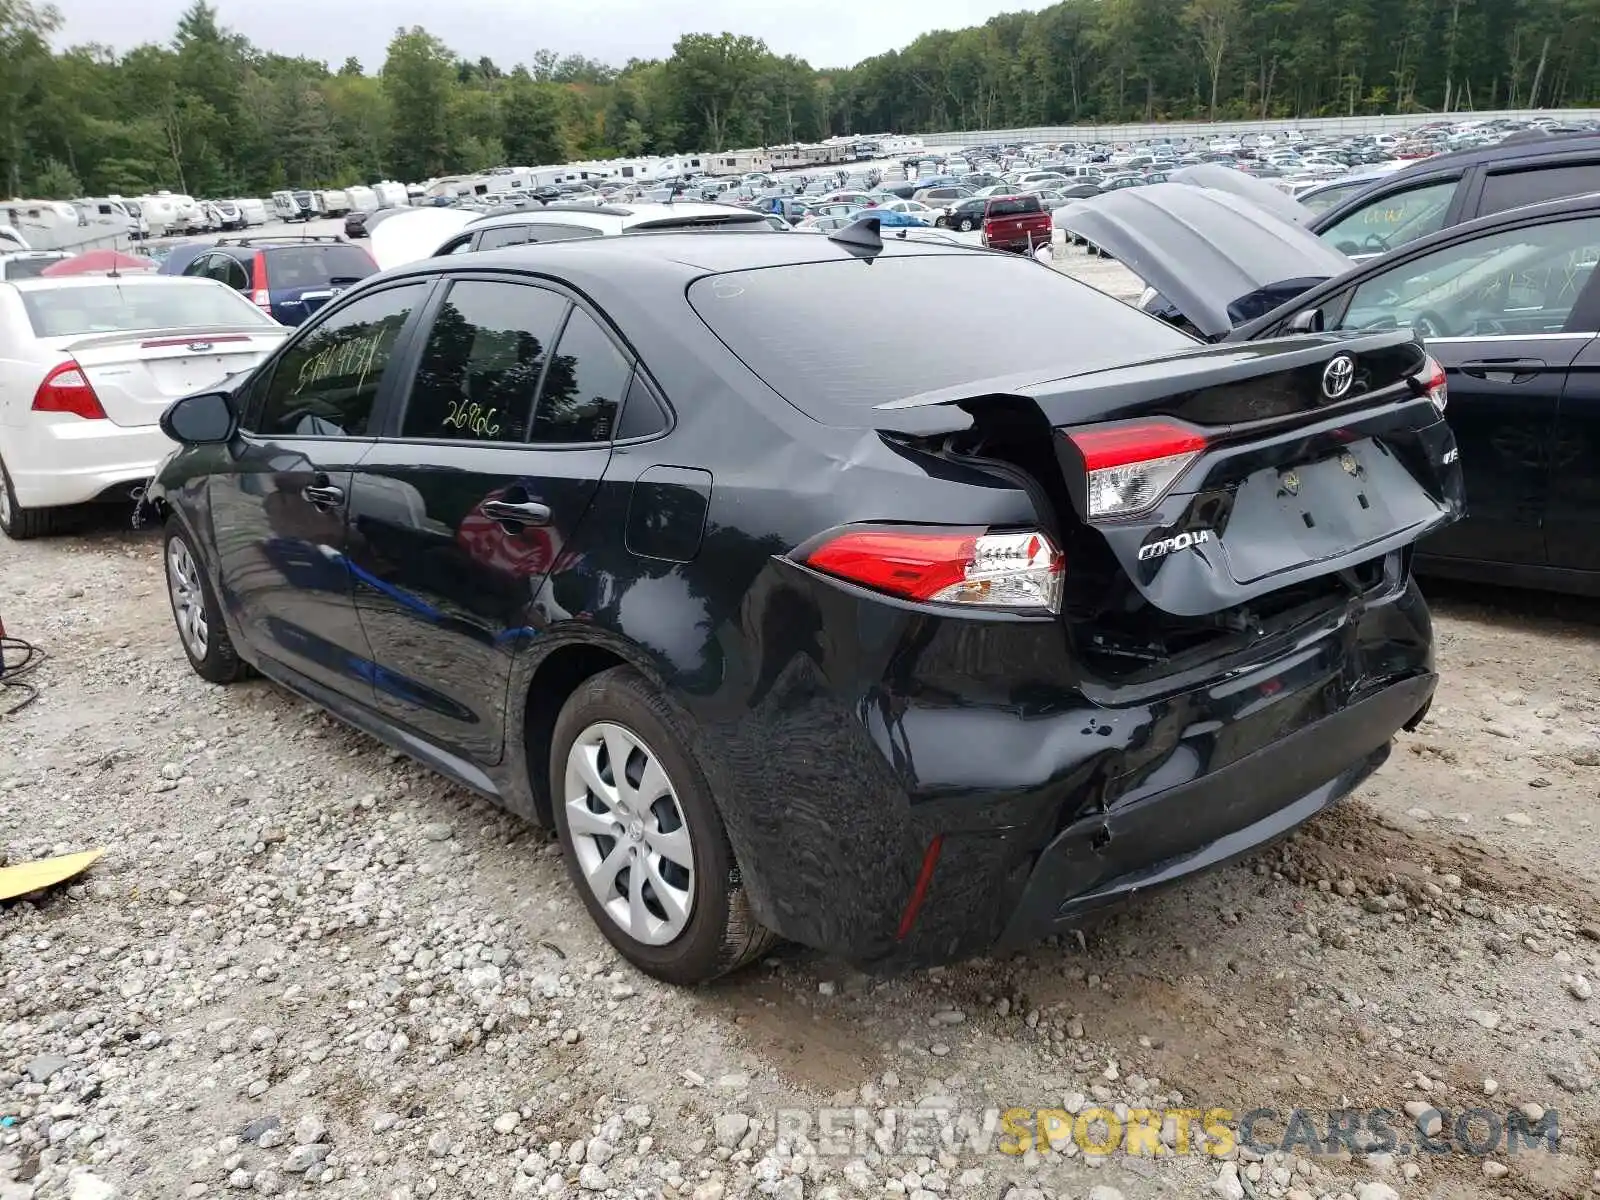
[555,678]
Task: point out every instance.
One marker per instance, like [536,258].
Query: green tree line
[211,114]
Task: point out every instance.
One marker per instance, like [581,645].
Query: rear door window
[1393,219]
[584,387]
[481,363]
[1513,189]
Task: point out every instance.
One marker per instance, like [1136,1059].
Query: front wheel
[966,225]
[644,843]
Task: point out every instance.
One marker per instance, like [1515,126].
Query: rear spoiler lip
[950,410]
[194,333]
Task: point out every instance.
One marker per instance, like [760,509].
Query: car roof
[670,253]
[1500,152]
[620,214]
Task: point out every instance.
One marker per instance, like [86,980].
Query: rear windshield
[1016,316]
[736,220]
[111,308]
[1014,206]
[26,268]
[315,266]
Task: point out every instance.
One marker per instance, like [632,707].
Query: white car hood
[411,236]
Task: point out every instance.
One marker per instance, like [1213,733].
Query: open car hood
[411,235]
[1237,183]
[1214,256]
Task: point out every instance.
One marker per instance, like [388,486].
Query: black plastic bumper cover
[1161,838]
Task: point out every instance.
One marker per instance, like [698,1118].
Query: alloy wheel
[6,515]
[188,598]
[629,834]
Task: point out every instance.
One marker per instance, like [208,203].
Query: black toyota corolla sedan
[792,627]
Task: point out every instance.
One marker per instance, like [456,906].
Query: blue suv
[289,277]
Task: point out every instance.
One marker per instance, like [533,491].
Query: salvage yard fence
[1334,126]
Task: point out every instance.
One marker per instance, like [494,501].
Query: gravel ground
[306,966]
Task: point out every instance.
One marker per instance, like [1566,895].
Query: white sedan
[88,364]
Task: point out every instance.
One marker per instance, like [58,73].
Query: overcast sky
[827,33]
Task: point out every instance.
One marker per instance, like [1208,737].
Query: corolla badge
[1165,546]
[1337,376]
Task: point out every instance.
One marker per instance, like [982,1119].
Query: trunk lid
[1281,463]
[1215,257]
[137,375]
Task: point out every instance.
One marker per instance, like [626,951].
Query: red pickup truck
[1016,223]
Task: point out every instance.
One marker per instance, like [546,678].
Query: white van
[333,202]
[253,211]
[392,195]
[362,199]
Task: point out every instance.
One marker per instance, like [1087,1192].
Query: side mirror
[200,420]
[1307,320]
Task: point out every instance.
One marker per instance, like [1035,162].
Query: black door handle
[323,496]
[528,513]
[1504,370]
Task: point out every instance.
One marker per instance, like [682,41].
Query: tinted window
[326,384]
[481,363]
[1016,317]
[315,266]
[584,387]
[27,268]
[504,235]
[1393,219]
[1325,198]
[108,307]
[459,246]
[1513,189]
[1014,207]
[1517,282]
[642,413]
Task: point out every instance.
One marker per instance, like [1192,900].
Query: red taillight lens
[948,566]
[262,295]
[1130,467]
[1433,382]
[68,390]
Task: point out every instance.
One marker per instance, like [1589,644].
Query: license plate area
[1283,518]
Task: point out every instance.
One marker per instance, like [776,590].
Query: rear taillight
[947,566]
[68,390]
[1129,468]
[1431,379]
[262,295]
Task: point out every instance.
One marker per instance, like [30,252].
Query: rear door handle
[528,513]
[323,496]
[1504,370]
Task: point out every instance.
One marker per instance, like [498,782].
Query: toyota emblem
[1337,376]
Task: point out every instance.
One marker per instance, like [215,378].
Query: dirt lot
[307,966]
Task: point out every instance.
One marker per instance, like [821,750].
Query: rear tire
[18,523]
[196,613]
[681,922]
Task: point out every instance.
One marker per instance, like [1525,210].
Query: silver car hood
[1215,257]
